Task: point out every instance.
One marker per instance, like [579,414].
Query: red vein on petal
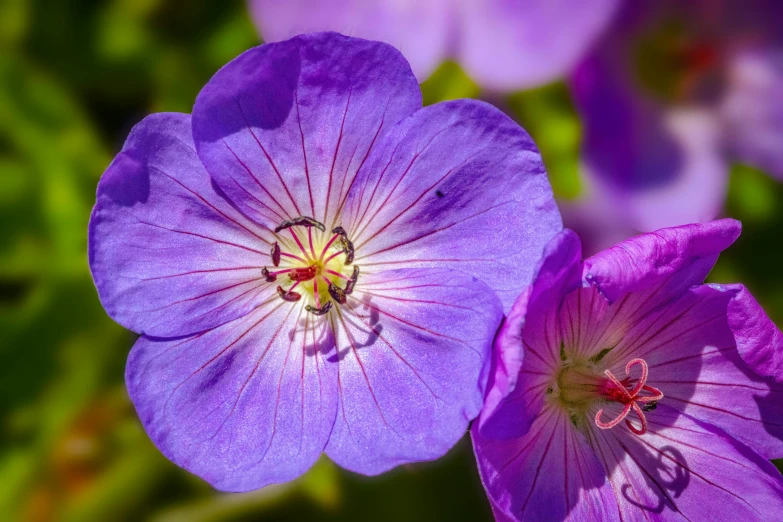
[302,378]
[549,364]
[304,152]
[223,305]
[699,355]
[326,247]
[292,256]
[213,207]
[338,274]
[679,334]
[427,234]
[644,302]
[277,216]
[415,202]
[212,292]
[255,179]
[342,187]
[345,194]
[299,244]
[222,351]
[310,240]
[722,410]
[653,480]
[268,157]
[420,301]
[339,379]
[192,272]
[394,350]
[187,233]
[531,438]
[623,469]
[708,383]
[698,448]
[678,463]
[358,222]
[247,381]
[538,468]
[416,156]
[334,156]
[364,371]
[634,345]
[356,173]
[417,326]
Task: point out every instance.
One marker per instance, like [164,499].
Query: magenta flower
[625,389]
[671,95]
[313,260]
[502,44]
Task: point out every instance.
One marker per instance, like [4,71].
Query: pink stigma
[627,395]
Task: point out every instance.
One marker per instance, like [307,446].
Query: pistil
[303,274]
[629,396]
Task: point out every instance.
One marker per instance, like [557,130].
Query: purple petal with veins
[641,393]
[155,202]
[315,262]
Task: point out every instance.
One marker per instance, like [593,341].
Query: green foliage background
[75,76]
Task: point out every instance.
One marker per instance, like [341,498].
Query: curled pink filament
[622,392]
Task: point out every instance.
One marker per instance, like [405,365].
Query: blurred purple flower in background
[313,261]
[502,44]
[625,389]
[672,94]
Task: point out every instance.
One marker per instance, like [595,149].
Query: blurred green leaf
[751,194]
[14,20]
[547,113]
[123,30]
[44,128]
[755,258]
[319,484]
[15,183]
[229,39]
[448,82]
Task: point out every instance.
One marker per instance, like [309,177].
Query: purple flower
[313,260]
[625,389]
[502,44]
[672,94]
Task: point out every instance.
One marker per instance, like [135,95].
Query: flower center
[312,266]
[578,386]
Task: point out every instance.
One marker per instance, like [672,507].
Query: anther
[350,284]
[268,276]
[288,296]
[347,245]
[650,406]
[337,293]
[340,231]
[276,254]
[319,311]
[301,221]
